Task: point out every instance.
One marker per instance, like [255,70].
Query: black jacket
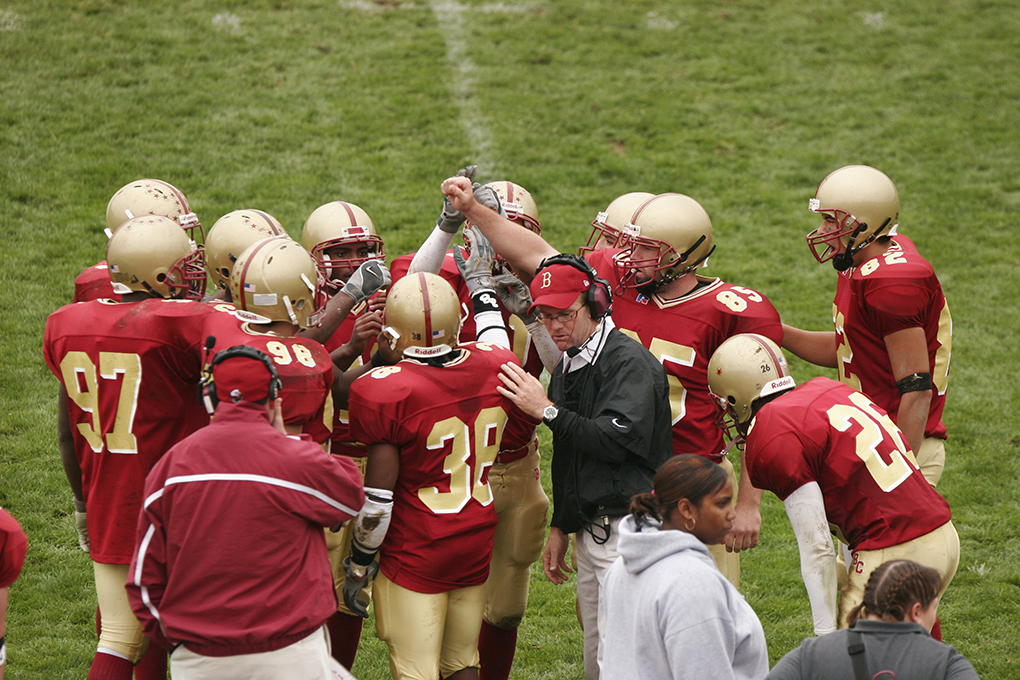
[612,433]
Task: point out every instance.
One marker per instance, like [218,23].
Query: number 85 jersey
[683,334]
[449,423]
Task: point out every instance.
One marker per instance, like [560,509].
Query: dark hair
[894,587]
[684,476]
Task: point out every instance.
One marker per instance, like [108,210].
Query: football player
[275,285]
[833,457]
[342,238]
[13,546]
[679,316]
[142,197]
[893,332]
[435,425]
[608,226]
[521,504]
[229,237]
[128,372]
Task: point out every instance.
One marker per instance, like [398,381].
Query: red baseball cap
[557,286]
[241,378]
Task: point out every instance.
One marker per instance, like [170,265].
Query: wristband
[917,382]
[3,651]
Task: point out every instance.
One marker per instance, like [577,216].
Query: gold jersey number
[81,380]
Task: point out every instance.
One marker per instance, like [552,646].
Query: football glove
[366,279]
[82,525]
[488,197]
[451,218]
[356,577]
[514,295]
[476,270]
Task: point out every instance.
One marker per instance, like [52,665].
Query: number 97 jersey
[449,423]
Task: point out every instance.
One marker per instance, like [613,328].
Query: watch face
[550,412]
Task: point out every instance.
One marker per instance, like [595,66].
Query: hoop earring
[690,524]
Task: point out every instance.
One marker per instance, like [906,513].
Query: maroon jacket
[230,552]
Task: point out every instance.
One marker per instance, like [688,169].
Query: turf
[745,105]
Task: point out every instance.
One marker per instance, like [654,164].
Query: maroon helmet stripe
[350,212]
[244,273]
[426,303]
[772,355]
[172,189]
[269,221]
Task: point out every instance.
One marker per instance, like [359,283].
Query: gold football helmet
[518,204]
[743,369]
[422,317]
[152,197]
[152,254]
[864,204]
[276,279]
[231,235]
[341,237]
[674,225]
[610,222]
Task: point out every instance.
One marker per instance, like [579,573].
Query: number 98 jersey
[449,423]
[304,367]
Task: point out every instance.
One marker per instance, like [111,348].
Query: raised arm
[523,249]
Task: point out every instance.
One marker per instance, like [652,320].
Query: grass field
[743,104]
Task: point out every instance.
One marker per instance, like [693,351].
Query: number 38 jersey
[304,367]
[130,371]
[449,423]
[892,292]
[683,334]
[826,432]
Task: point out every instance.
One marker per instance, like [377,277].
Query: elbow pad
[374,520]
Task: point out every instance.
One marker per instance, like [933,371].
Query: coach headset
[598,297]
[206,384]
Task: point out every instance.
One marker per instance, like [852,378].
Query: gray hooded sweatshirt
[670,613]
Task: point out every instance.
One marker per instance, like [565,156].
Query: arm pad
[373,521]
[806,511]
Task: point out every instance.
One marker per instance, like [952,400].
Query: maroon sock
[109,667]
[936,630]
[496,649]
[153,664]
[344,636]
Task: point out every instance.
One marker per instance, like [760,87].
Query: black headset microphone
[598,298]
[206,384]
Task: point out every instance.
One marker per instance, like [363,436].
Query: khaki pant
[306,659]
[728,562]
[428,634]
[939,549]
[931,458]
[523,511]
[120,631]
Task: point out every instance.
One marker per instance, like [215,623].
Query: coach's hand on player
[745,530]
[554,557]
[524,390]
[366,279]
[81,523]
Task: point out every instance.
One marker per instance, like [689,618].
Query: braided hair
[684,476]
[894,587]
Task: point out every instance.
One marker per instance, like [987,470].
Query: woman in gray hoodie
[670,613]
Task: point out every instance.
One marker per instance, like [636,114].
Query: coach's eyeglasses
[564,318]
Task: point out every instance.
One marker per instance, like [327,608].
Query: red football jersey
[449,423]
[520,340]
[892,292]
[825,432]
[683,334]
[303,365]
[130,371]
[94,284]
[342,442]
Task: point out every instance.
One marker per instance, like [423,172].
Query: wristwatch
[549,414]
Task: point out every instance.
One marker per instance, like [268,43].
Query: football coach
[608,409]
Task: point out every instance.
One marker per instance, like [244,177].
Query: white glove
[366,279]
